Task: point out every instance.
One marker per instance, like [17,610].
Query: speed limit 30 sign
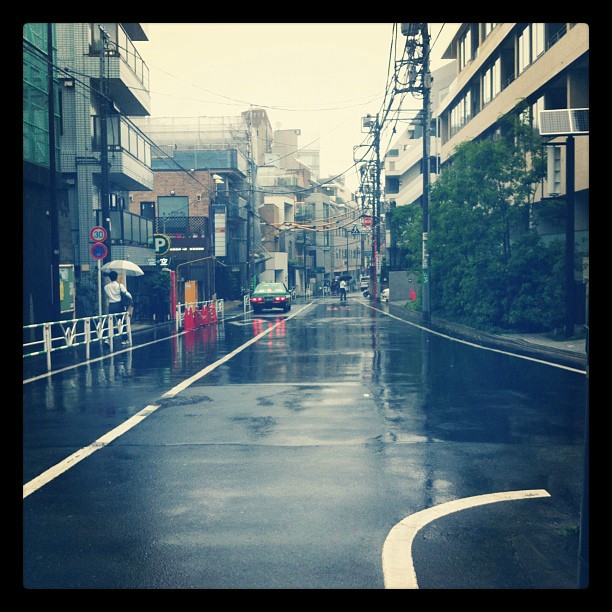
[98,234]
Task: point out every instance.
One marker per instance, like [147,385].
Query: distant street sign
[367,221]
[98,234]
[99,251]
[355,231]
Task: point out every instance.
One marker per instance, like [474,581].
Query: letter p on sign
[162,244]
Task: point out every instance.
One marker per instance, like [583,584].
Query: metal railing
[246,303]
[47,338]
[183,227]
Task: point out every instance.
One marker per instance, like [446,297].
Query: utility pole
[104,166]
[376,205]
[426,313]
[371,173]
[250,237]
[53,208]
[419,82]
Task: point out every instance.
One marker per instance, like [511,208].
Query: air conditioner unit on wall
[564,121]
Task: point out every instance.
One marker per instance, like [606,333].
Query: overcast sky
[321,78]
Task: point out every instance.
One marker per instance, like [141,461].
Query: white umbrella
[123,266]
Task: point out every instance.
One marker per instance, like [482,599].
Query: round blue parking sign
[99,251]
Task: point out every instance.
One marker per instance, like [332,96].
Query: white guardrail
[47,338]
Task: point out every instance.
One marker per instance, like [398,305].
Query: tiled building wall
[190,184]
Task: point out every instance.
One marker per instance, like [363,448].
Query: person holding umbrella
[115,291]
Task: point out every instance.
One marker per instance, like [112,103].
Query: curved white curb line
[398,569]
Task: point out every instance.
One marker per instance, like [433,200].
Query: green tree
[406,227]
[489,267]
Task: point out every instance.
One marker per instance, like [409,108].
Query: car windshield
[270,288]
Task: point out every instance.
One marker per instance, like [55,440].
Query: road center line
[208,369]
[66,464]
[398,568]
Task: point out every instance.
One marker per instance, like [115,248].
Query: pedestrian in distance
[343,290]
[119,299]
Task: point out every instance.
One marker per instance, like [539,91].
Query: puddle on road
[183,400]
[257,426]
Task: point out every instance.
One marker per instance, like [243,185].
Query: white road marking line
[75,458]
[81,454]
[208,369]
[398,568]
[480,346]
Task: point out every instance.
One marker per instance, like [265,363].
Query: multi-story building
[100,81]
[232,148]
[546,65]
[403,159]
[46,220]
[351,240]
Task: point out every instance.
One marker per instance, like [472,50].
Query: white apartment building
[500,65]
[402,164]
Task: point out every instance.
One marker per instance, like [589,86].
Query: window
[487,28]
[531,44]
[465,48]
[491,81]
[537,40]
[173,206]
[553,174]
[461,112]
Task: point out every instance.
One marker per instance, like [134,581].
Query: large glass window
[173,206]
[36,96]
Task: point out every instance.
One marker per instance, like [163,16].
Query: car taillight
[256,299]
[280,298]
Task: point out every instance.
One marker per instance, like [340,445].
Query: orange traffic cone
[188,320]
[197,318]
[205,315]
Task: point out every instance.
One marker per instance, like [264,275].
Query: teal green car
[271,295]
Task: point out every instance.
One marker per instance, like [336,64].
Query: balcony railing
[121,45]
[128,228]
[123,135]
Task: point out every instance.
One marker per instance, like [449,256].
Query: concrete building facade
[546,66]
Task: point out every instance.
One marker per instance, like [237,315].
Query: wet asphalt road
[287,465]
